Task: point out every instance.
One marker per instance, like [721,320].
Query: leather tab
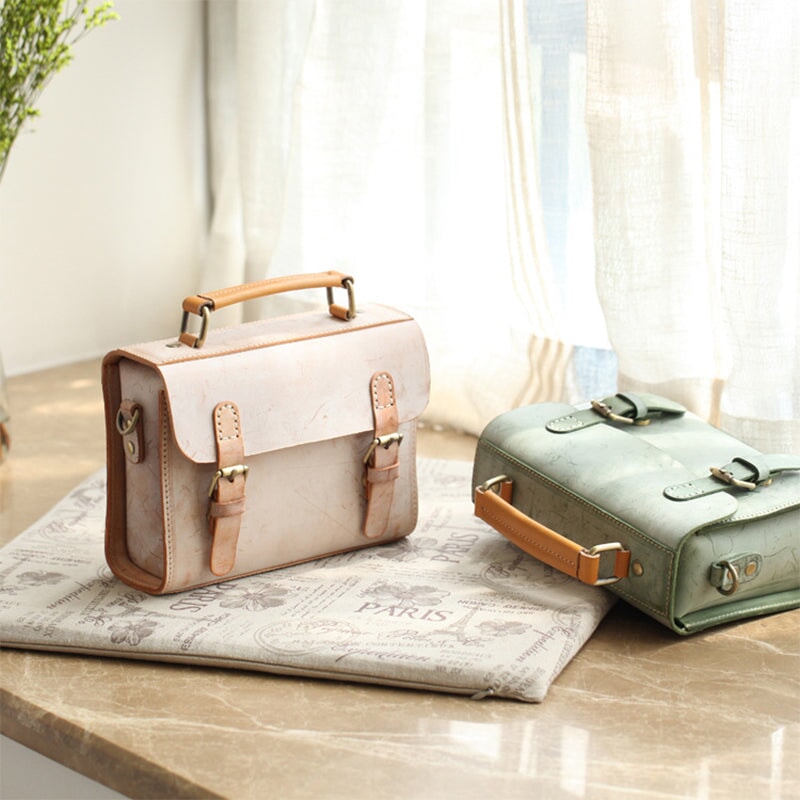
[226,504]
[382,465]
[130,426]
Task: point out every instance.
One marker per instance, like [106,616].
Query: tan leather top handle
[543,543]
[203,304]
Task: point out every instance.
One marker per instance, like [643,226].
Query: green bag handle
[543,543]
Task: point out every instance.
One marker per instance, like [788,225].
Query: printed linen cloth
[453,608]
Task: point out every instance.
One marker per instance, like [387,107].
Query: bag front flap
[297,379]
[625,470]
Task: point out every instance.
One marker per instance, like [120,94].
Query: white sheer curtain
[438,152]
[693,113]
[394,140]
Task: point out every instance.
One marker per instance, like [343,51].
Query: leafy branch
[36,40]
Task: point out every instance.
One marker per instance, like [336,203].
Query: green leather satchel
[635,493]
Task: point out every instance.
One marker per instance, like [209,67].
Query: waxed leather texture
[250,451]
[611,482]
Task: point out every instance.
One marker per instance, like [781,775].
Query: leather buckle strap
[746,473]
[542,542]
[226,493]
[381,462]
[626,408]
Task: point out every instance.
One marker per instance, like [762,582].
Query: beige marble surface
[639,713]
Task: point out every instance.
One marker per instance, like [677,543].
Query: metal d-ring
[731,570]
[124,428]
[347,283]
[205,315]
[492,483]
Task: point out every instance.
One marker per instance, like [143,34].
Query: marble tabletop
[638,713]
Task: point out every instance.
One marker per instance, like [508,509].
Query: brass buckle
[229,473]
[385,441]
[605,548]
[605,411]
[728,477]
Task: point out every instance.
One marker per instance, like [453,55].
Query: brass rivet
[638,569]
[751,568]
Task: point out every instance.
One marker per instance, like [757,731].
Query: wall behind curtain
[103,208]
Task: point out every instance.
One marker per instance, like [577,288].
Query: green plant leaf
[36,41]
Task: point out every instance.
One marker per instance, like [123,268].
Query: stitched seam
[567,424]
[681,491]
[388,378]
[512,529]
[236,429]
[767,512]
[167,490]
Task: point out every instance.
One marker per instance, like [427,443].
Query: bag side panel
[144,511]
[773,539]
[116,533]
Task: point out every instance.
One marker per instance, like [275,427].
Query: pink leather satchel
[264,444]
